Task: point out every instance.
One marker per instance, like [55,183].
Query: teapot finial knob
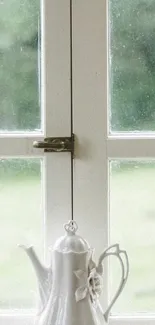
[71,227]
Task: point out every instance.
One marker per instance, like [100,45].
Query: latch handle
[56,144]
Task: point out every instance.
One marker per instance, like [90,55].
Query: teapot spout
[44,275]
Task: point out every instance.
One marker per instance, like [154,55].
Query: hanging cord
[72,188]
[71,103]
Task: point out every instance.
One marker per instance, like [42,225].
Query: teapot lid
[71,242]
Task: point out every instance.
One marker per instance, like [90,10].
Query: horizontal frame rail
[24,319]
[18,145]
[117,147]
[16,318]
[132,320]
[130,147]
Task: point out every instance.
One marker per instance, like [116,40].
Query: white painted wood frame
[95,145]
[56,121]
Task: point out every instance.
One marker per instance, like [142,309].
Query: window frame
[94,147]
[56,121]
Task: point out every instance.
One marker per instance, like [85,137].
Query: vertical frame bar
[57,113]
[90,123]
[56,67]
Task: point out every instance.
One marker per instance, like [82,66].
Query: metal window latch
[56,144]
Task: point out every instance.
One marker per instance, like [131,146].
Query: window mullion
[90,123]
[55,86]
[57,196]
[56,68]
[57,114]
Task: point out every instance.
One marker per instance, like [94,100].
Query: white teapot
[71,286]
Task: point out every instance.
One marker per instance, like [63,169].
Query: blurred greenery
[19,65]
[132,57]
[17,168]
[20,223]
[132,224]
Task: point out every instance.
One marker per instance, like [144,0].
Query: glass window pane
[20,223]
[132,224]
[132,65]
[19,65]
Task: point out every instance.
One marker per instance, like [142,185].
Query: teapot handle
[114,250]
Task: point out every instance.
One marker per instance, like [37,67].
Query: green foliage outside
[19,168]
[19,62]
[132,78]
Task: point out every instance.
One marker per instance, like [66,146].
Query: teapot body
[62,307]
[70,288]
